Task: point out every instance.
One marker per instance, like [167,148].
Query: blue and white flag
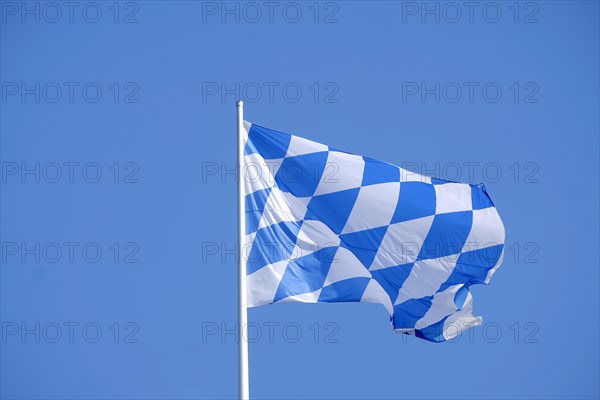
[323,225]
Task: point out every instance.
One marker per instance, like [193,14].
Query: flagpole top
[239,103]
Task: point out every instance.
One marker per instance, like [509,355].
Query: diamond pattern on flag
[323,225]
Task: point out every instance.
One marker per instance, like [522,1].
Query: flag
[324,225]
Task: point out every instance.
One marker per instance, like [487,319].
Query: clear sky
[118,204]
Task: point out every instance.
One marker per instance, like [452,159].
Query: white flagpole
[244,392]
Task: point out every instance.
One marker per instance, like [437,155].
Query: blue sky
[118,201]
